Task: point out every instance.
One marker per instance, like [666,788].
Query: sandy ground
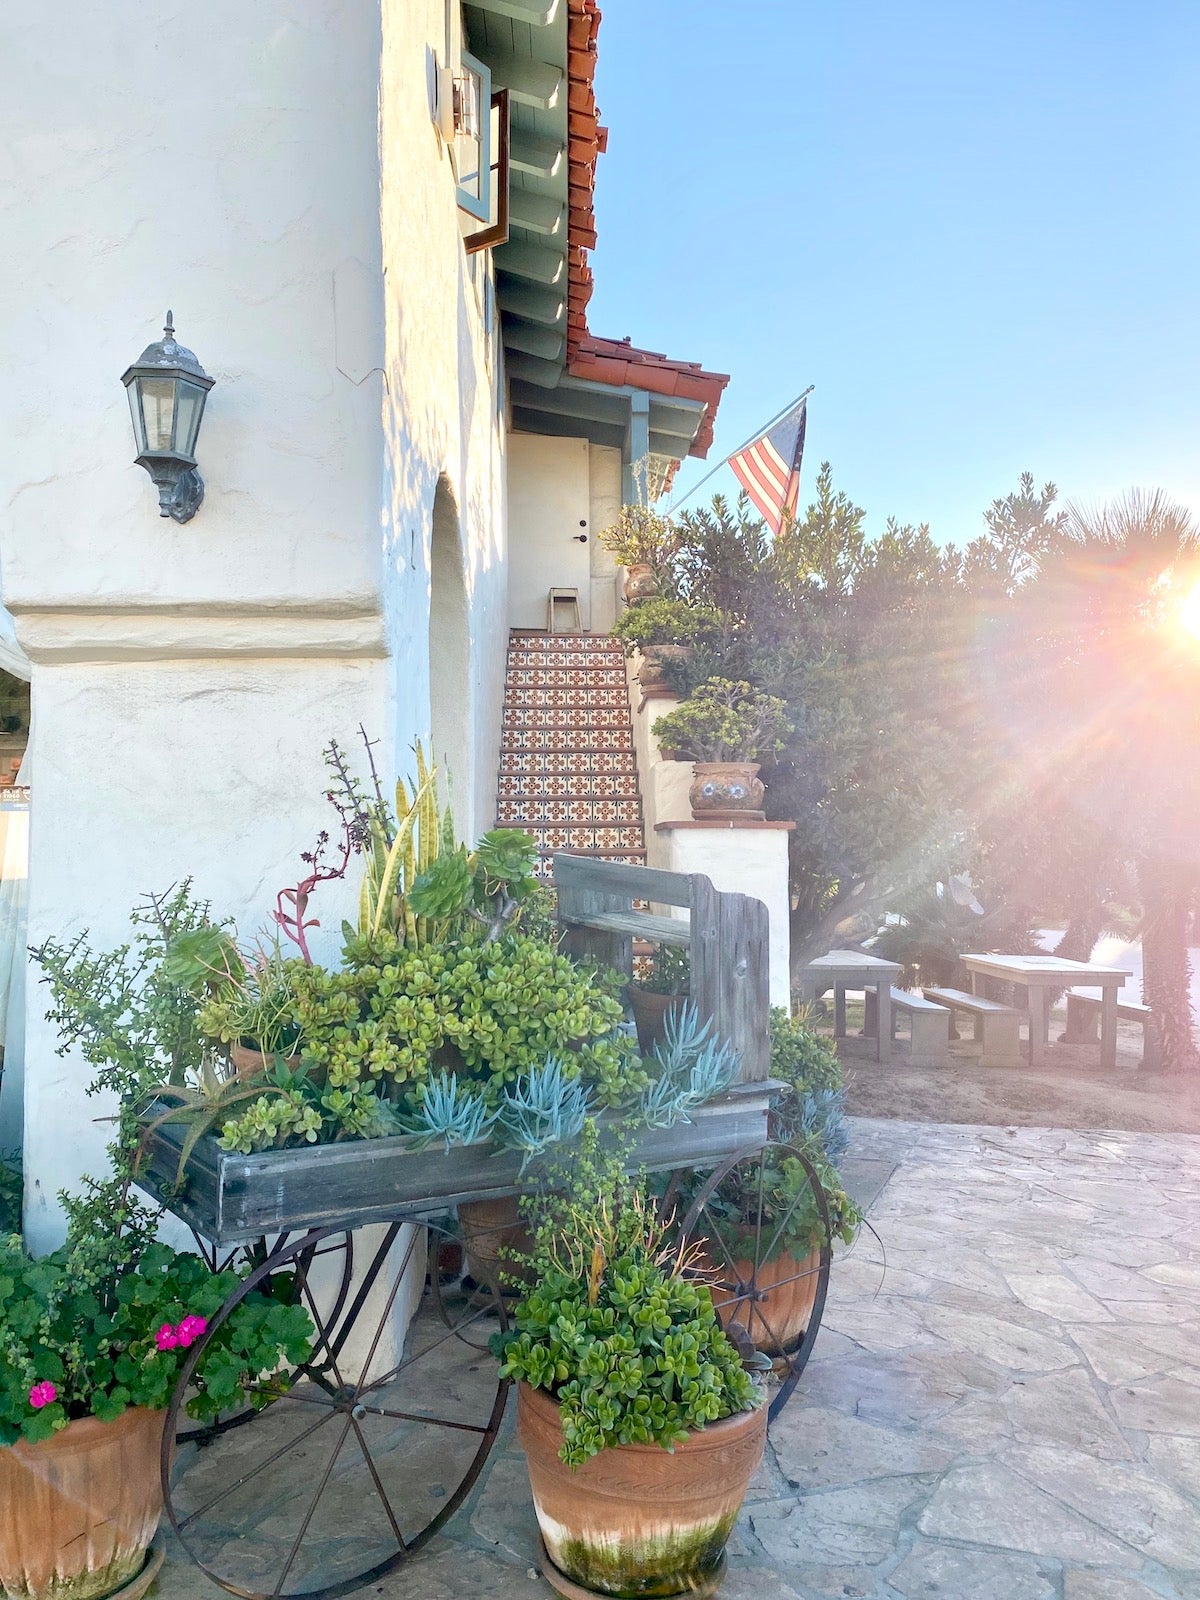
[1071,1092]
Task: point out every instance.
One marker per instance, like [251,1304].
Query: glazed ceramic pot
[638,1520]
[80,1508]
[640,582]
[785,1291]
[654,671]
[726,789]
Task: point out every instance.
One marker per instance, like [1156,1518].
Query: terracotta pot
[637,1519]
[248,1061]
[640,582]
[650,1014]
[80,1508]
[494,1234]
[655,669]
[785,1293]
[723,789]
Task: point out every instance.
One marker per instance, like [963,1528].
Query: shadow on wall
[451,711]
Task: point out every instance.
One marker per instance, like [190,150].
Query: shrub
[725,721]
[660,621]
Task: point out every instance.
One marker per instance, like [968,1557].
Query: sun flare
[1189,612]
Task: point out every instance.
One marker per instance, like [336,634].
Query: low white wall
[748,859]
[664,784]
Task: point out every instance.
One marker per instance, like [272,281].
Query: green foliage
[661,621]
[450,1113]
[670,971]
[10,1195]
[256,1006]
[87,1321]
[692,1065]
[641,536]
[546,1106]
[801,1057]
[629,1346]
[725,721]
[123,1009]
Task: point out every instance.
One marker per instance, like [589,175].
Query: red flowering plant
[106,1321]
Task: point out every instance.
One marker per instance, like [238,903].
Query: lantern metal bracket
[180,489]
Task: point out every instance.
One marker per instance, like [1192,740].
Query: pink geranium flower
[42,1394]
[167,1337]
[190,1329]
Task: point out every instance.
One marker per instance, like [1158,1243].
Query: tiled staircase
[568,774]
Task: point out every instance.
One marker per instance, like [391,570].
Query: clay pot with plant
[723,729]
[93,1337]
[666,633]
[636,1487]
[662,990]
[644,543]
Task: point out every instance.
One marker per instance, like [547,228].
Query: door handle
[580,538]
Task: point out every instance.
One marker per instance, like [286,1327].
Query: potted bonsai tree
[666,633]
[644,543]
[641,1427]
[92,1338]
[723,729]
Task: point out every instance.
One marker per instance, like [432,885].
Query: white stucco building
[409,433]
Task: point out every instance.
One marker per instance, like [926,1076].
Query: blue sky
[973,224]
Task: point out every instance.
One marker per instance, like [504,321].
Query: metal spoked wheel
[744,1220]
[374,1447]
[328,1269]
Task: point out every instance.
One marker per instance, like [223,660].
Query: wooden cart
[377,1438]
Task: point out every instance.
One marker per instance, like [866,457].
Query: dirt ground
[1071,1092]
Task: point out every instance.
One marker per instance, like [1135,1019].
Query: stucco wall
[441,418]
[226,160]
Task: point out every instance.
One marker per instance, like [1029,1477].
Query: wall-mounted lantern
[167,388]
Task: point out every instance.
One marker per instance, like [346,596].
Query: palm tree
[1117,629]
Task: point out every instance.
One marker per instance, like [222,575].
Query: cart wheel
[374,1447]
[769,1301]
[330,1285]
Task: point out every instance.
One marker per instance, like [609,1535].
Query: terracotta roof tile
[613,361]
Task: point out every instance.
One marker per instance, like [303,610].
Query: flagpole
[757,434]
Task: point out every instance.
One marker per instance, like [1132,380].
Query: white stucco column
[742,858]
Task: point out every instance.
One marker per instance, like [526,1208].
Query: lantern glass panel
[158,411]
[189,403]
[135,411]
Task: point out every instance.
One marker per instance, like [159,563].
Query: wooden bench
[996,1028]
[928,1026]
[1083,1023]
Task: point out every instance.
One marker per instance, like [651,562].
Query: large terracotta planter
[78,1510]
[640,582]
[638,1520]
[723,789]
[654,672]
[650,1014]
[785,1292]
[494,1235]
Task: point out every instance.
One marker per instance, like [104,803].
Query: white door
[549,536]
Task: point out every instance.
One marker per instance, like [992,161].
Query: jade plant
[666,622]
[725,720]
[642,537]
[616,1329]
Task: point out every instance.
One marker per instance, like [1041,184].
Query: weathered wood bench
[996,1028]
[726,937]
[1083,1023]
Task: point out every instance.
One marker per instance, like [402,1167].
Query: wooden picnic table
[840,970]
[1039,976]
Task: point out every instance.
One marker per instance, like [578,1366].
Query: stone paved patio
[1011,1411]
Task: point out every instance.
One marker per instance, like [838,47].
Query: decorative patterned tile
[582,717]
[537,810]
[523,675]
[525,696]
[567,741]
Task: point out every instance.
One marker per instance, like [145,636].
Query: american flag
[769,469]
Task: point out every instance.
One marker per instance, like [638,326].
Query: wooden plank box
[229,1198]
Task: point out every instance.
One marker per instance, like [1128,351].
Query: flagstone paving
[1003,1404]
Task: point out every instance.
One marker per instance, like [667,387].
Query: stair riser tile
[582,717]
[571,762]
[568,837]
[519,680]
[566,742]
[549,669]
[587,698]
[554,786]
[519,812]
[556,643]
